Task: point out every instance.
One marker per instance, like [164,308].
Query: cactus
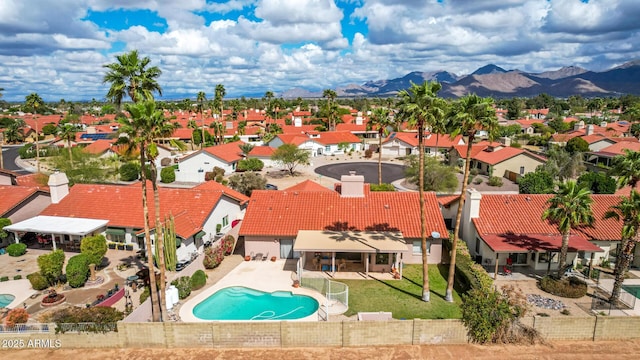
[170,254]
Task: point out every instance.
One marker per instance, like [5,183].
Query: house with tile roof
[18,203]
[262,153]
[406,143]
[320,143]
[369,231]
[496,159]
[510,226]
[605,156]
[192,167]
[197,211]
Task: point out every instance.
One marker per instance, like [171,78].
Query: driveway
[390,172]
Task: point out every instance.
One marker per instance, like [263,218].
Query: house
[496,159]
[510,226]
[263,153]
[605,156]
[320,143]
[199,212]
[371,231]
[192,168]
[406,143]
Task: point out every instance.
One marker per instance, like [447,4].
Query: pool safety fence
[337,294]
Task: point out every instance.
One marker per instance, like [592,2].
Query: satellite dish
[435,235]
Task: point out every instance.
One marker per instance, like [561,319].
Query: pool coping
[21,289]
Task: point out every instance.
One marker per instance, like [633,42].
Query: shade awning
[112,231]
[350,241]
[58,225]
[506,243]
[199,234]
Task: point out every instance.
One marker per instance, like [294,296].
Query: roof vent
[386,206]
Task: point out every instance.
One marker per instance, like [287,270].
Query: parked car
[270,187]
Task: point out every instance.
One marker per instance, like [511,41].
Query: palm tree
[202,101]
[628,209]
[130,76]
[569,208]
[191,124]
[67,132]
[268,95]
[417,105]
[627,168]
[34,101]
[246,148]
[472,114]
[331,112]
[220,92]
[14,132]
[218,132]
[381,120]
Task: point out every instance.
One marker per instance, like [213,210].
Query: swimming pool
[6,299]
[242,303]
[632,289]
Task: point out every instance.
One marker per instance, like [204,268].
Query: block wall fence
[313,334]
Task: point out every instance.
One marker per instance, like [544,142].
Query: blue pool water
[241,303]
[6,299]
[632,289]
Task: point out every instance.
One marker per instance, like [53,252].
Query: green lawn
[403,297]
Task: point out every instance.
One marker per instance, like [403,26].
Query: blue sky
[58,48]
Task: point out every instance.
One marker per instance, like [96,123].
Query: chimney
[579,125]
[229,124]
[58,186]
[505,140]
[604,124]
[352,185]
[297,121]
[470,210]
[589,130]
[359,119]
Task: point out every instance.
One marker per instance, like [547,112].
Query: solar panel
[95,136]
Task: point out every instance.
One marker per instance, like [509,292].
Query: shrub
[51,266]
[213,257]
[368,153]
[470,274]
[98,316]
[38,282]
[94,247]
[251,164]
[382,187]
[17,249]
[145,294]
[473,172]
[495,181]
[16,316]
[77,270]
[17,277]
[4,278]
[571,287]
[227,244]
[167,175]
[129,171]
[183,284]
[198,280]
[477,181]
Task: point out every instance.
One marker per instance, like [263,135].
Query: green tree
[51,265]
[268,96]
[381,121]
[420,106]
[598,183]
[537,182]
[220,92]
[246,148]
[330,95]
[3,233]
[251,164]
[129,171]
[34,101]
[67,132]
[247,182]
[628,209]
[77,270]
[94,247]
[577,145]
[167,175]
[568,209]
[627,168]
[437,176]
[130,75]
[202,103]
[14,133]
[514,108]
[562,165]
[473,114]
[290,156]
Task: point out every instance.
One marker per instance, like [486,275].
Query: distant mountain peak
[629,64]
[489,69]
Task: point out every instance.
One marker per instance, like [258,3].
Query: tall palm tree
[34,101]
[129,75]
[381,121]
[569,208]
[220,93]
[14,132]
[627,168]
[67,132]
[331,96]
[202,102]
[628,209]
[472,114]
[218,132]
[268,95]
[417,105]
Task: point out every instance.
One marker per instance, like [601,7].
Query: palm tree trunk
[1,156]
[426,295]
[622,264]
[37,145]
[159,237]
[202,141]
[456,232]
[562,261]
[153,291]
[70,155]
[437,149]
[380,158]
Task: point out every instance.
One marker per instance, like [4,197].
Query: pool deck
[21,289]
[267,276]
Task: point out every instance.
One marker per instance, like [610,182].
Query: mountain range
[496,82]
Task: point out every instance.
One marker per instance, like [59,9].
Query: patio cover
[350,241]
[513,243]
[58,225]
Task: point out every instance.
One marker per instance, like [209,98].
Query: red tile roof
[38,180]
[12,196]
[497,156]
[122,205]
[261,151]
[308,185]
[619,147]
[216,186]
[228,152]
[447,200]
[536,242]
[99,146]
[284,213]
[429,139]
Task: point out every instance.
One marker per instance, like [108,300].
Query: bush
[77,270]
[368,153]
[98,316]
[213,257]
[16,316]
[129,171]
[382,187]
[495,181]
[470,274]
[17,249]
[94,247]
[571,287]
[145,294]
[183,284]
[51,266]
[167,175]
[227,244]
[251,164]
[4,278]
[477,181]
[38,282]
[17,277]
[473,172]
[198,280]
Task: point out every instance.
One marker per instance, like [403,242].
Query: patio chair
[342,264]
[264,258]
[316,263]
[506,270]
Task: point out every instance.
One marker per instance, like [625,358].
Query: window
[225,221]
[479,165]
[417,247]
[382,259]
[327,148]
[551,257]
[116,235]
[518,258]
[521,170]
